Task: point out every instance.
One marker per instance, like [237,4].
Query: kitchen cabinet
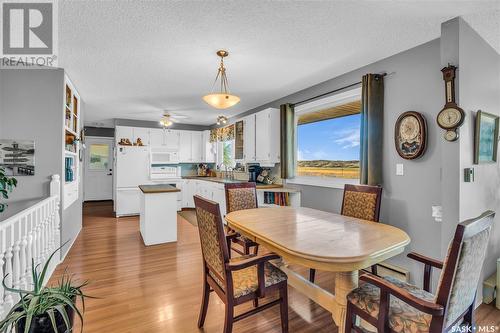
[267,136]
[165,138]
[132,133]
[196,145]
[185,146]
[249,138]
[209,148]
[190,150]
[188,190]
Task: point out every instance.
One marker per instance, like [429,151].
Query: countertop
[231,181]
[160,188]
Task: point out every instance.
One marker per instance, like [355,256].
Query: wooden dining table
[324,241]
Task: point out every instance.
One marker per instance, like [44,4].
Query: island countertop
[160,188]
[259,186]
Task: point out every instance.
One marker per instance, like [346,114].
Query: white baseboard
[63,256]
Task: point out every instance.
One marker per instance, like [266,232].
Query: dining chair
[391,305]
[241,196]
[362,202]
[236,280]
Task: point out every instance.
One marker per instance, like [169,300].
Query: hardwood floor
[158,288]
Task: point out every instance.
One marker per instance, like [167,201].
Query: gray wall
[155,124]
[31,101]
[479,78]
[415,85]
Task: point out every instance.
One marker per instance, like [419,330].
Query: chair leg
[204,304]
[228,320]
[469,316]
[256,249]
[374,269]
[349,319]
[255,302]
[284,308]
[312,275]
[246,249]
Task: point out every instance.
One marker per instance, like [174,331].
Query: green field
[325,168]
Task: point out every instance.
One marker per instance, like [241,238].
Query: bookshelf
[71,143]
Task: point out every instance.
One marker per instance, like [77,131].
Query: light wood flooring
[158,288]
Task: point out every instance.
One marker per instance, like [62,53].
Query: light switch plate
[437,213]
[399,169]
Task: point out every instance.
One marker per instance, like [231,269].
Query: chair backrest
[362,202]
[212,238]
[240,196]
[462,266]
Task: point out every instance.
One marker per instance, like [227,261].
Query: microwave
[164,156]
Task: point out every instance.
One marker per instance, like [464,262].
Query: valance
[222,134]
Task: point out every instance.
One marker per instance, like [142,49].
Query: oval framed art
[410,135]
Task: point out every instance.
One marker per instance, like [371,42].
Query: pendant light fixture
[221,120]
[165,121]
[222,99]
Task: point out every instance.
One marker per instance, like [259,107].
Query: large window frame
[316,105]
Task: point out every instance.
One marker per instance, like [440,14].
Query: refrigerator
[132,170]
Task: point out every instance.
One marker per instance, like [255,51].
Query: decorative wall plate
[410,135]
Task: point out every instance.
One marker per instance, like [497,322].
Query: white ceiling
[133,59]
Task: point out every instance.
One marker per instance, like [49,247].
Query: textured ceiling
[134,59]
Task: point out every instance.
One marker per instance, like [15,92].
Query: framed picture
[17,157]
[485,138]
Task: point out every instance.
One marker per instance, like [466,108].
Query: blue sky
[333,139]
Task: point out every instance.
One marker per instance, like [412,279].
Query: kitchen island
[158,215]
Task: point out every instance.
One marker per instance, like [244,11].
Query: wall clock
[410,135]
[451,117]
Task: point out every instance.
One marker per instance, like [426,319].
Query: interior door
[98,177]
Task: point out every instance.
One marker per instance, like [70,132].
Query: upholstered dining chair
[241,196]
[395,306]
[362,202]
[237,280]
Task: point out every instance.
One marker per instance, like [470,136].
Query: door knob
[110,174]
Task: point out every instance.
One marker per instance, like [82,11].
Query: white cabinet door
[124,132]
[172,138]
[275,142]
[185,146]
[208,148]
[196,146]
[157,137]
[249,138]
[219,196]
[262,136]
[143,134]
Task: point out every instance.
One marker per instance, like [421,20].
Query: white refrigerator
[132,170]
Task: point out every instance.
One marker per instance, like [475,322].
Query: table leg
[345,282]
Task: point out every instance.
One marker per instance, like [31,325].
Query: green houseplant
[7,184]
[45,309]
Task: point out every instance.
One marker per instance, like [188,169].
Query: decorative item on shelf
[69,174]
[45,308]
[138,142]
[7,185]
[125,142]
[486,138]
[17,157]
[222,99]
[451,117]
[410,135]
[221,120]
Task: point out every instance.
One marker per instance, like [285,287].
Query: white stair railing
[31,234]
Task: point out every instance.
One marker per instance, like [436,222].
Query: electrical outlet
[399,169]
[437,213]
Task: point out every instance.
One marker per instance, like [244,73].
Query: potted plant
[45,309]
[7,184]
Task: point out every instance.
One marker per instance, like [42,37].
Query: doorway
[98,177]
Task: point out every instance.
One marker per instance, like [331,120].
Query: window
[225,153]
[99,157]
[328,139]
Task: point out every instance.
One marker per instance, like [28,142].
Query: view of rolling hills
[327,168]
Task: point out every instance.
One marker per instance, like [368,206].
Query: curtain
[222,134]
[372,118]
[287,141]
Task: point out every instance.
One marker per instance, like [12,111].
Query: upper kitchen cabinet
[133,134]
[261,137]
[249,138]
[190,150]
[165,138]
[209,150]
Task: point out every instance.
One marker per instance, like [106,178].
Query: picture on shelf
[17,157]
[486,138]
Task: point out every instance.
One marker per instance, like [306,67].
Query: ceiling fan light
[221,101]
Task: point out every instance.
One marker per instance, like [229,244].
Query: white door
[249,138]
[185,147]
[196,145]
[98,177]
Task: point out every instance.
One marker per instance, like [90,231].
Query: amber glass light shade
[221,101]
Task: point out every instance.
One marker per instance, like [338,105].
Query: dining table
[324,241]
